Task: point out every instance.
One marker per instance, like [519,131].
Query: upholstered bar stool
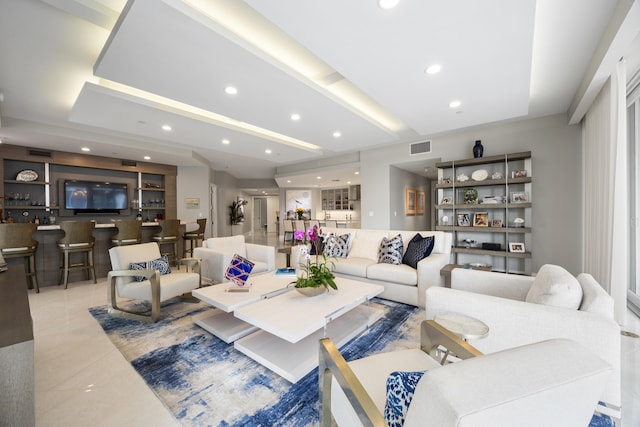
[16,241]
[129,232]
[78,238]
[168,235]
[192,237]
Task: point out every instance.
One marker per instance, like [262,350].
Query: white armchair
[216,254]
[154,288]
[551,383]
[500,301]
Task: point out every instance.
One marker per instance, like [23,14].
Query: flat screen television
[95,197]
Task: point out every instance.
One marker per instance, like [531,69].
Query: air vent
[420,147]
[129,163]
[39,153]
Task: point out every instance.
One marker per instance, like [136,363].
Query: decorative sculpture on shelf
[478,149]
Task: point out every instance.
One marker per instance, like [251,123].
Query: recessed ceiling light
[230,90]
[388,4]
[337,134]
[166,128]
[147,157]
[455,104]
[433,69]
[86,149]
[268,151]
[318,177]
[356,173]
[226,141]
[295,116]
[288,181]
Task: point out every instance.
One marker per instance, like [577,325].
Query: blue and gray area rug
[206,382]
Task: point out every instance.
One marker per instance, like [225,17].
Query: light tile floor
[82,379]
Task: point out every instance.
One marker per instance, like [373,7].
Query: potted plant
[317,276]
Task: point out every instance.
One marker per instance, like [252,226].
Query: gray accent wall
[556,150]
[399,180]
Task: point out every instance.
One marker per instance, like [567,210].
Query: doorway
[259,215]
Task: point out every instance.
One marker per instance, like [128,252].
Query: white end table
[465,327]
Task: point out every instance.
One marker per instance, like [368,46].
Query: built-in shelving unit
[486,204]
[152,187]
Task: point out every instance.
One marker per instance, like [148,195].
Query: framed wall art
[420,202]
[410,202]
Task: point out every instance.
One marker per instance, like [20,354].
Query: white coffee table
[291,324]
[222,323]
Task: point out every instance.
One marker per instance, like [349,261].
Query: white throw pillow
[555,286]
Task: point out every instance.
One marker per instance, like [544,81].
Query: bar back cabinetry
[152,187]
[486,204]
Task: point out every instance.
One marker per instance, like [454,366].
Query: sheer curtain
[605,192]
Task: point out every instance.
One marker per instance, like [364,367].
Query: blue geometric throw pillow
[390,250]
[418,248]
[400,389]
[337,246]
[161,264]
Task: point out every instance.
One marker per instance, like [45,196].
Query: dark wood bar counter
[17,361]
[48,254]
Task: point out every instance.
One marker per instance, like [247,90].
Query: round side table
[465,327]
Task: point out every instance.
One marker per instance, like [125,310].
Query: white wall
[556,190]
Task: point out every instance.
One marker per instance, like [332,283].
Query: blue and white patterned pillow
[400,389]
[390,250]
[418,248]
[337,246]
[161,264]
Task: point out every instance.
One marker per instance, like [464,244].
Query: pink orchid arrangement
[317,273]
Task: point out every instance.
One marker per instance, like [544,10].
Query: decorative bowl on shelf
[27,175]
[480,175]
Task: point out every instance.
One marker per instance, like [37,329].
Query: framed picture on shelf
[410,202]
[518,174]
[463,220]
[471,196]
[496,223]
[481,219]
[420,202]
[519,197]
[446,200]
[516,247]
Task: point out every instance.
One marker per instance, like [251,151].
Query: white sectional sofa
[401,283]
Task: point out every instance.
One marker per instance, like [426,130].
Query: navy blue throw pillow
[418,248]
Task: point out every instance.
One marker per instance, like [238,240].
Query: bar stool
[192,237]
[129,232]
[78,237]
[168,235]
[16,241]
